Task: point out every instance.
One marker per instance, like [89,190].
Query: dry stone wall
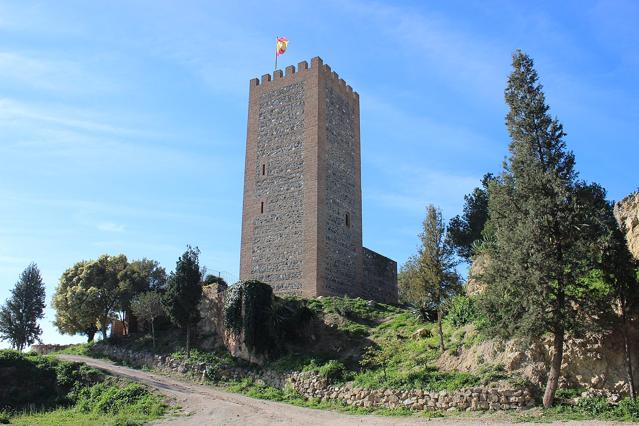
[309,385]
[278,232]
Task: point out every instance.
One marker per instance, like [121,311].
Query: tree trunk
[440,330]
[627,351]
[90,334]
[153,333]
[103,330]
[555,368]
[188,341]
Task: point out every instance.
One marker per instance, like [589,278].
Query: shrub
[462,310]
[593,406]
[629,408]
[30,380]
[332,371]
[105,398]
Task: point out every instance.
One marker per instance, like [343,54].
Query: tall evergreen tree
[430,279]
[184,292]
[465,230]
[543,228]
[20,314]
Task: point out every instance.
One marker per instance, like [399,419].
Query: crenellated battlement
[302,209]
[292,73]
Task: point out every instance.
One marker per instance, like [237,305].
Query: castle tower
[302,211]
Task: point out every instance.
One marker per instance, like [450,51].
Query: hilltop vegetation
[40,390]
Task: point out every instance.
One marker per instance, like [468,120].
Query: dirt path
[205,405]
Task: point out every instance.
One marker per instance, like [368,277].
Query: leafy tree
[542,219]
[87,295]
[430,278]
[20,314]
[148,306]
[465,230]
[138,277]
[73,310]
[102,276]
[184,292]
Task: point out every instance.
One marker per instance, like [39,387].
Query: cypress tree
[184,292]
[543,238]
[20,314]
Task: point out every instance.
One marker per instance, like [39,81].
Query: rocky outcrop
[474,285]
[595,362]
[627,215]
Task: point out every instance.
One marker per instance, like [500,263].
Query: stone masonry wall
[278,232]
[502,396]
[380,277]
[342,248]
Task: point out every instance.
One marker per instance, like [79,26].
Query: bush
[105,398]
[629,409]
[332,371]
[35,381]
[462,310]
[593,406]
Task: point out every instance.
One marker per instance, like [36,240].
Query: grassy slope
[411,363]
[74,395]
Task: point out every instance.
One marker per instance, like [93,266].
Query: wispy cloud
[14,113]
[434,41]
[56,75]
[110,227]
[419,187]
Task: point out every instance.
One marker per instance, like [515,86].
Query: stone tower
[302,211]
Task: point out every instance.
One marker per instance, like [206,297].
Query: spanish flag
[281,45]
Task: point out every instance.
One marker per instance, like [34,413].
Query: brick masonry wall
[380,277]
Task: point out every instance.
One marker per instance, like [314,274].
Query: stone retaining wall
[310,385]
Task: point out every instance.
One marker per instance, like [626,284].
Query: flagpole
[275,54]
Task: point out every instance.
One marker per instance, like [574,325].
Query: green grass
[79,349]
[586,409]
[43,390]
[108,403]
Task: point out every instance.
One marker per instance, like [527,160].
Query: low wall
[310,385]
[47,349]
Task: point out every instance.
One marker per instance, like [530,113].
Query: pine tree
[184,292]
[20,314]
[543,229]
[464,231]
[432,279]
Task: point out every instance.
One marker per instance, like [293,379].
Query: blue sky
[123,124]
